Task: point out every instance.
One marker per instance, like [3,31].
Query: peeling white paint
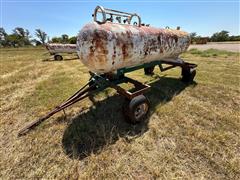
[107,47]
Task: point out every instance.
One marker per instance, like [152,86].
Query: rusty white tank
[54,48]
[107,47]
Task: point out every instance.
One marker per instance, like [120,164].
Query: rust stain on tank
[100,42]
[124,51]
[91,54]
[161,50]
[175,37]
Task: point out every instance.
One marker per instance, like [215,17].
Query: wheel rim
[58,58]
[140,111]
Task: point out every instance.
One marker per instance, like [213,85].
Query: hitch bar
[79,95]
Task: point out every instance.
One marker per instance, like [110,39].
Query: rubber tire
[149,70]
[131,106]
[58,57]
[188,75]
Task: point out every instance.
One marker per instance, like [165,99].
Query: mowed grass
[193,131]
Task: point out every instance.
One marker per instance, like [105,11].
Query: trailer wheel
[136,110]
[149,70]
[188,75]
[58,57]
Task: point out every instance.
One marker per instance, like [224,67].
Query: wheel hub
[141,110]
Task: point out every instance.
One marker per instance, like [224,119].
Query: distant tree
[56,40]
[220,36]
[64,38]
[13,40]
[41,35]
[193,34]
[3,37]
[19,32]
[193,37]
[3,33]
[234,38]
[36,42]
[23,36]
[72,40]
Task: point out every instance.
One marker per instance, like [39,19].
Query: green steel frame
[100,82]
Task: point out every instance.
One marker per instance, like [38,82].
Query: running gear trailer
[137,105]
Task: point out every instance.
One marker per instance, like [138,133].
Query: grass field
[193,131]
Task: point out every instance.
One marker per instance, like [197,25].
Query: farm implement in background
[57,50]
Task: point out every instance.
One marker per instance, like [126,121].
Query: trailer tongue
[137,105]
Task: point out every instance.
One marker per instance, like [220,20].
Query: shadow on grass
[104,123]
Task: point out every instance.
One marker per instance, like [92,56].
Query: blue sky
[57,17]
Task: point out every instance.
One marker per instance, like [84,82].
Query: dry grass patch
[193,131]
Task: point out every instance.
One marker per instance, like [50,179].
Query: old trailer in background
[57,49]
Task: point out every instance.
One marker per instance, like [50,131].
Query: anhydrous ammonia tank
[107,46]
[61,48]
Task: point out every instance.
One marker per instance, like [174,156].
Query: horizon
[68,17]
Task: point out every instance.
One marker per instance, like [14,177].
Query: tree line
[216,37]
[21,37]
